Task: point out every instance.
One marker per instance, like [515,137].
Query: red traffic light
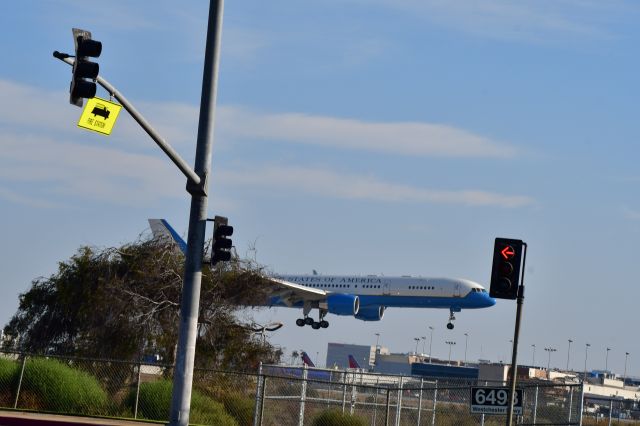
[508,252]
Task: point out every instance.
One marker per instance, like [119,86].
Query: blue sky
[370,137]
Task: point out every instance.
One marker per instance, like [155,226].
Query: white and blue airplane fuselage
[367,297]
[364,297]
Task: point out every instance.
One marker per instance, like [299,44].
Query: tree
[124,302]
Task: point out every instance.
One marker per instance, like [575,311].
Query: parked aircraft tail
[307,361]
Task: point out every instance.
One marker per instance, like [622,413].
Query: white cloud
[398,138]
[331,184]
[91,172]
[631,214]
[539,20]
[66,164]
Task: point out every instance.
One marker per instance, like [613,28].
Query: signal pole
[189,307]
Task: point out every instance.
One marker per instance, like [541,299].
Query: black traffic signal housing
[221,247]
[84,71]
[505,273]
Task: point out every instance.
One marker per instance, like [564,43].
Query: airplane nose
[490,301]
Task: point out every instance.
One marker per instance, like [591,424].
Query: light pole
[466,344]
[624,377]
[261,329]
[424,339]
[417,339]
[377,340]
[568,352]
[533,357]
[586,353]
[549,350]
[430,341]
[450,343]
[606,360]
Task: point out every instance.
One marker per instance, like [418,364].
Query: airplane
[363,297]
[306,360]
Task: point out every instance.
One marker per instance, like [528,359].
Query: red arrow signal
[508,252]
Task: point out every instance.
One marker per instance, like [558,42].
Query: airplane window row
[421,287]
[479,290]
[370,286]
[331,285]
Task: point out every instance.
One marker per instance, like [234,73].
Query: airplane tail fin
[163,231]
[353,363]
[307,361]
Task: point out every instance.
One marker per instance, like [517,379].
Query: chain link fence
[274,396]
[294,397]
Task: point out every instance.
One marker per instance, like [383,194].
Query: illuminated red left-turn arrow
[508,252]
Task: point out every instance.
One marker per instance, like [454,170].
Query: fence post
[581,404]
[135,408]
[610,410]
[399,403]
[24,362]
[386,412]
[375,402]
[435,399]
[257,409]
[570,403]
[535,406]
[353,397]
[420,400]
[344,390]
[303,395]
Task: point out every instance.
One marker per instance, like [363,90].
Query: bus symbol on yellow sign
[99,115]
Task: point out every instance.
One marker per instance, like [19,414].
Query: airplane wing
[292,293]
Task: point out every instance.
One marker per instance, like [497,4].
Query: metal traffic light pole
[516,335]
[197,186]
[189,307]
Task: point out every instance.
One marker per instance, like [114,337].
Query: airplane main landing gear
[316,325]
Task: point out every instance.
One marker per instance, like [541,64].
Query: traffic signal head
[84,71]
[505,274]
[221,249]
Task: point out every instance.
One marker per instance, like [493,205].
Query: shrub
[154,403]
[9,371]
[336,417]
[51,385]
[241,408]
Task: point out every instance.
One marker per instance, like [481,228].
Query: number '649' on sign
[494,400]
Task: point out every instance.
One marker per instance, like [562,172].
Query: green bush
[240,407]
[336,417]
[9,371]
[154,403]
[51,385]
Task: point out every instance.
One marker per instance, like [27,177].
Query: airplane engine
[343,304]
[371,313]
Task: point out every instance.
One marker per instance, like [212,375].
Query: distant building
[338,355]
[443,371]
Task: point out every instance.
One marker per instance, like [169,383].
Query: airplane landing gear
[451,318]
[321,323]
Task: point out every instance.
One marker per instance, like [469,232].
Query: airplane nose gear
[451,318]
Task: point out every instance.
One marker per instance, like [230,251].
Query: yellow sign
[99,115]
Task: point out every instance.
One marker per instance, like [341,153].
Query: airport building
[338,355]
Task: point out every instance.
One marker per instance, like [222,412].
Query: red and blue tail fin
[353,363]
[307,361]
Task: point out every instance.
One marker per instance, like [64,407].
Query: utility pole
[189,307]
